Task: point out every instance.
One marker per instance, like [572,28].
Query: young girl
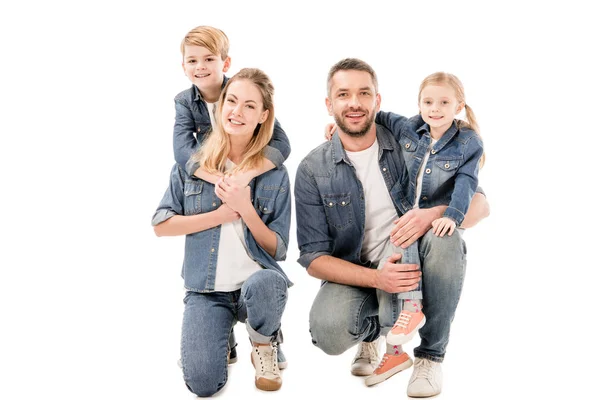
[442,156]
[234,237]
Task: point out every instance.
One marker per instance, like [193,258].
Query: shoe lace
[368,351]
[383,360]
[403,320]
[267,357]
[424,369]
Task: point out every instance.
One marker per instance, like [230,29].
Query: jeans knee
[203,385]
[442,246]
[327,336]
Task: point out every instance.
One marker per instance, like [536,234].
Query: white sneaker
[426,379]
[264,359]
[366,359]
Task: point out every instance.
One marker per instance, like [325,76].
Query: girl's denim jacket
[188,195]
[192,117]
[450,175]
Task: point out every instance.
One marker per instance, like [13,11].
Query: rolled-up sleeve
[313,235]
[279,148]
[172,201]
[280,223]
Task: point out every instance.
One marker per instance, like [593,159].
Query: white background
[91,300]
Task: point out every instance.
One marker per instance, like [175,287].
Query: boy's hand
[241,178]
[443,225]
[330,130]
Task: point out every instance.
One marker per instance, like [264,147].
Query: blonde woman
[234,237]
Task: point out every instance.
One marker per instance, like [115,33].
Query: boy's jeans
[342,316]
[207,322]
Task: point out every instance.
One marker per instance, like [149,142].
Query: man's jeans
[209,317]
[342,316]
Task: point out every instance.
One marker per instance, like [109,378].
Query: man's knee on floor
[329,336]
[203,386]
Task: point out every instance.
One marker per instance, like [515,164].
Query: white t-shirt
[234,264]
[420,174]
[212,109]
[380,212]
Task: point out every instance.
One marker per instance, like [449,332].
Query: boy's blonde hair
[212,156]
[444,78]
[212,38]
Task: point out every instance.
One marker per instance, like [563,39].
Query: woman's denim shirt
[330,200]
[188,195]
[192,116]
[450,175]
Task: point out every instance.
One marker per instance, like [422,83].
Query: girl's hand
[237,197]
[443,225]
[330,130]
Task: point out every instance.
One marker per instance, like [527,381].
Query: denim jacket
[192,115]
[188,195]
[450,176]
[330,200]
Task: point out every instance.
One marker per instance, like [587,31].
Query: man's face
[353,101]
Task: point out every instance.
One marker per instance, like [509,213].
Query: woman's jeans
[209,317]
[342,316]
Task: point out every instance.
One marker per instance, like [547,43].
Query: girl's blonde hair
[212,156]
[444,78]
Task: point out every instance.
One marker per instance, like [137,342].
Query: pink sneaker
[389,366]
[407,324]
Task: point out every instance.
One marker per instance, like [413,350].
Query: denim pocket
[192,193]
[264,205]
[338,210]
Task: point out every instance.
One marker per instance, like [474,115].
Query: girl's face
[242,108]
[439,106]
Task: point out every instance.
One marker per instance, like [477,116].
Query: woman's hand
[237,197]
[226,214]
[443,225]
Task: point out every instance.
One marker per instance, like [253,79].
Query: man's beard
[355,133]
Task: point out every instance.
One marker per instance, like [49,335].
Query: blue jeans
[209,317]
[342,316]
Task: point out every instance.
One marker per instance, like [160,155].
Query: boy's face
[204,68]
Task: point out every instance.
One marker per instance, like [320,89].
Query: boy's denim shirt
[330,200]
[188,195]
[192,115]
[451,173]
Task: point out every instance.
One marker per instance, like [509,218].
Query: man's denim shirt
[192,115]
[451,173]
[188,195]
[330,200]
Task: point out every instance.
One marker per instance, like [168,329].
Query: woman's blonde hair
[212,156]
[444,78]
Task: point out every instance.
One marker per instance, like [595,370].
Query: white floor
[91,300]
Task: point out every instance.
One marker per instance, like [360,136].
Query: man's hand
[412,225]
[443,225]
[396,278]
[330,130]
